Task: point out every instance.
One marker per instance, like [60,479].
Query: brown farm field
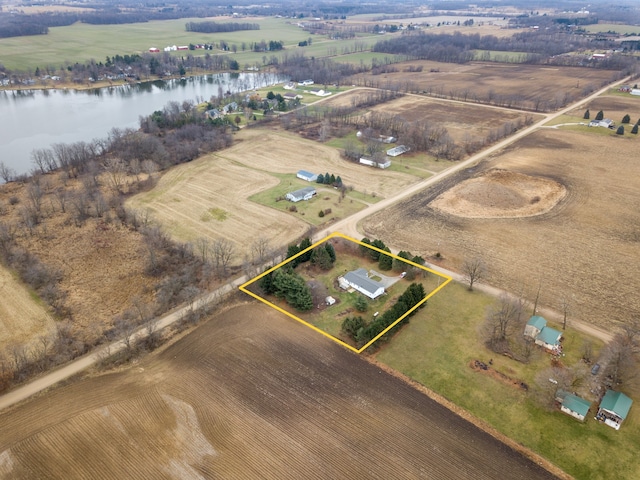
[22,317]
[250,394]
[584,249]
[210,196]
[614,107]
[532,87]
[463,121]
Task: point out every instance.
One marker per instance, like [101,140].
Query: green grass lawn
[610,27]
[499,56]
[326,198]
[438,344]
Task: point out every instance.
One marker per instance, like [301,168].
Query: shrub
[321,213]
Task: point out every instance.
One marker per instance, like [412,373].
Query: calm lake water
[39,118]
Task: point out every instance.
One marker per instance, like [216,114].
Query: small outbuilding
[330,301]
[399,150]
[306,193]
[386,163]
[575,406]
[614,408]
[308,176]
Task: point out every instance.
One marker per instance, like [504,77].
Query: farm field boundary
[244,288]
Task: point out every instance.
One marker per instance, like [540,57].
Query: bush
[321,213]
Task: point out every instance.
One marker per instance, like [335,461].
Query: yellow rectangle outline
[313,327]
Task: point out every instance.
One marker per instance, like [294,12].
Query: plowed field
[251,394]
[515,85]
[585,249]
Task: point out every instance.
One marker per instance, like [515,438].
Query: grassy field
[613,27]
[82,42]
[436,349]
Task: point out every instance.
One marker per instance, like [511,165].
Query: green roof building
[575,406]
[614,408]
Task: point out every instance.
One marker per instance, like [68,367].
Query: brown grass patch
[22,318]
[501,194]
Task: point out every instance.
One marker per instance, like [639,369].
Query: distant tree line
[216,27]
[460,48]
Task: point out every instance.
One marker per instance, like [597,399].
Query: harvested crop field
[532,87]
[22,318]
[463,121]
[614,107]
[584,249]
[282,152]
[250,394]
[209,198]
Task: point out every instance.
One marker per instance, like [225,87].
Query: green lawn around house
[436,349]
[326,198]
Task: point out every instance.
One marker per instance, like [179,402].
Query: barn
[308,176]
[303,194]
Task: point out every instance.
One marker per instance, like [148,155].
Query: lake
[31,119]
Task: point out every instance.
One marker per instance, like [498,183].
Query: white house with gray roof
[359,280]
[303,194]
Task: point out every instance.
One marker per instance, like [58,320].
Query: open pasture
[585,249]
[250,394]
[533,87]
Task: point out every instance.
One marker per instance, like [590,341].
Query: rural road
[348,226]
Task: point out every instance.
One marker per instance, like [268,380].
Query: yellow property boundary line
[244,286]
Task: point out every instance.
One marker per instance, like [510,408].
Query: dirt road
[348,226]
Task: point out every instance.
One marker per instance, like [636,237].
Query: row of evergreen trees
[286,283]
[387,262]
[329,179]
[361,332]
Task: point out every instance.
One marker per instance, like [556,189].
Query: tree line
[362,332]
[217,27]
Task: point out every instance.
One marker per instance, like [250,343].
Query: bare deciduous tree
[116,170]
[474,270]
[502,320]
[6,173]
[260,250]
[222,250]
[620,357]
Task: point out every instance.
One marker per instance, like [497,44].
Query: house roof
[538,322]
[359,277]
[549,336]
[616,402]
[576,404]
[302,192]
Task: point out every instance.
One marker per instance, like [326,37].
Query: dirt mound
[501,194]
